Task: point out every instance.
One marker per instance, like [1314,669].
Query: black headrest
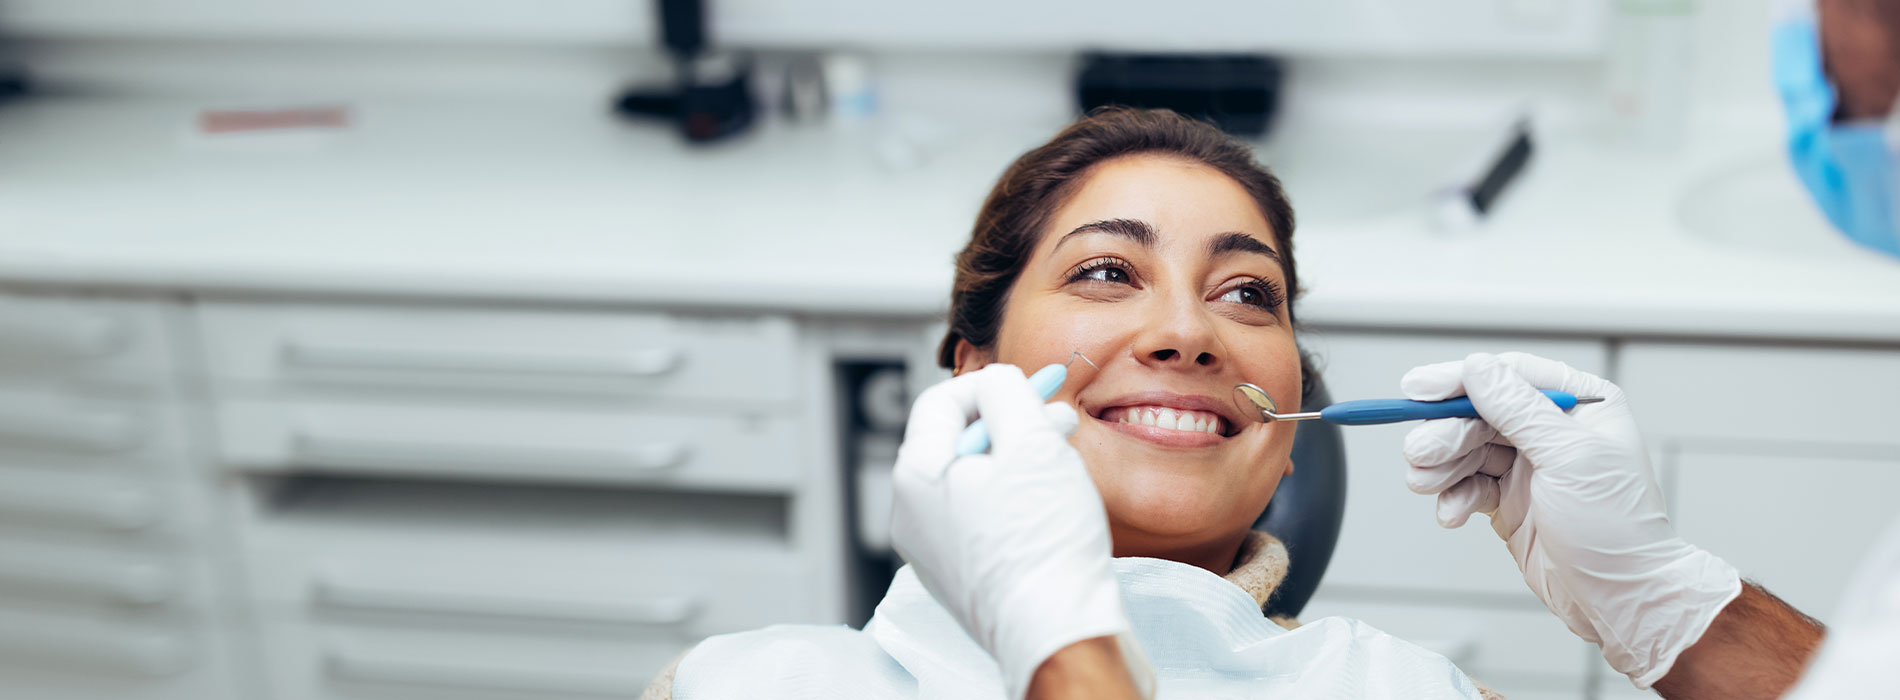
[1306,511]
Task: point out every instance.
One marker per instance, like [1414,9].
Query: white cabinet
[108,587]
[462,502]
[1794,521]
[370,588]
[1783,460]
[1755,394]
[60,341]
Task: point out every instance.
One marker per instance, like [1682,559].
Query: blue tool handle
[1381,411]
[1046,381]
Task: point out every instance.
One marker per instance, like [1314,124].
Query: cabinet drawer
[1391,538]
[84,502]
[1797,523]
[1518,650]
[63,649]
[1794,394]
[456,617]
[721,359]
[75,427]
[633,447]
[92,646]
[47,338]
[88,575]
[462,584]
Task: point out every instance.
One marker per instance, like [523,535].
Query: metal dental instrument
[1046,381]
[1255,402]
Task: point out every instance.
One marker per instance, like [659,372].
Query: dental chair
[1306,511]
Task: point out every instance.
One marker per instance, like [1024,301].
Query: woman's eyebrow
[1138,231]
[1237,242]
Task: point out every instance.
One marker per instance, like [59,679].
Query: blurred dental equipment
[1254,401]
[1046,381]
[711,95]
[1476,190]
[1240,93]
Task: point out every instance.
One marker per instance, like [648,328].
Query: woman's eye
[1261,294]
[1104,270]
[1244,295]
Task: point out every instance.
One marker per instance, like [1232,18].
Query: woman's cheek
[1278,371]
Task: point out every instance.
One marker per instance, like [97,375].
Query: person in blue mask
[1837,67]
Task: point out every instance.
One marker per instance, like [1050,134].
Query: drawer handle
[657,612]
[74,431]
[56,336]
[488,459]
[137,584]
[104,648]
[119,509]
[528,682]
[650,362]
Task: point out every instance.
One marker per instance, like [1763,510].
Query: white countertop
[490,203]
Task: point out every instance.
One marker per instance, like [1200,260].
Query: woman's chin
[1172,506]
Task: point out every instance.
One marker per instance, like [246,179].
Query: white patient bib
[1205,636]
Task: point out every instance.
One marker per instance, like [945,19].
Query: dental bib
[1205,636]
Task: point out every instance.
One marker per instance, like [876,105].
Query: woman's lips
[1177,428]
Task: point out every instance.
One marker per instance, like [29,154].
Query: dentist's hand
[1575,501]
[1014,543]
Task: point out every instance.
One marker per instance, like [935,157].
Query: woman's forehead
[1180,199]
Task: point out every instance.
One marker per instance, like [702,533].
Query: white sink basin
[1756,204]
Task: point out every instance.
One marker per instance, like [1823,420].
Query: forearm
[1091,668]
[1755,649]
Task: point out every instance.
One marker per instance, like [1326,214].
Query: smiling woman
[1159,249]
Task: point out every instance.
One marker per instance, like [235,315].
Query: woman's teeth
[1169,418]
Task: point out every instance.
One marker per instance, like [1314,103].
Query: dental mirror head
[1254,401]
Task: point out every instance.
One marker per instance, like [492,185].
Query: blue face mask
[1848,168]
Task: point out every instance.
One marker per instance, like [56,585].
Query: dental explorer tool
[1255,402]
[1046,381]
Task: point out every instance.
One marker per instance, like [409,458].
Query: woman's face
[1164,273]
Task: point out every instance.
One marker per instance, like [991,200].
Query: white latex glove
[1015,542]
[1575,501]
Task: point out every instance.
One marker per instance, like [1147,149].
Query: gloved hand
[1575,501]
[1015,542]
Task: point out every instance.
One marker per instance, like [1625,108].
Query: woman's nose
[1179,334]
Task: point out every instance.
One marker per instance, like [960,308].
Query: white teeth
[1167,418]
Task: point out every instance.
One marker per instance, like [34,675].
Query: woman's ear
[969,358]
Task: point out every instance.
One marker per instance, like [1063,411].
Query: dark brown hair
[1010,224]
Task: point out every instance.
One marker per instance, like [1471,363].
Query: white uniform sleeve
[1858,660]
